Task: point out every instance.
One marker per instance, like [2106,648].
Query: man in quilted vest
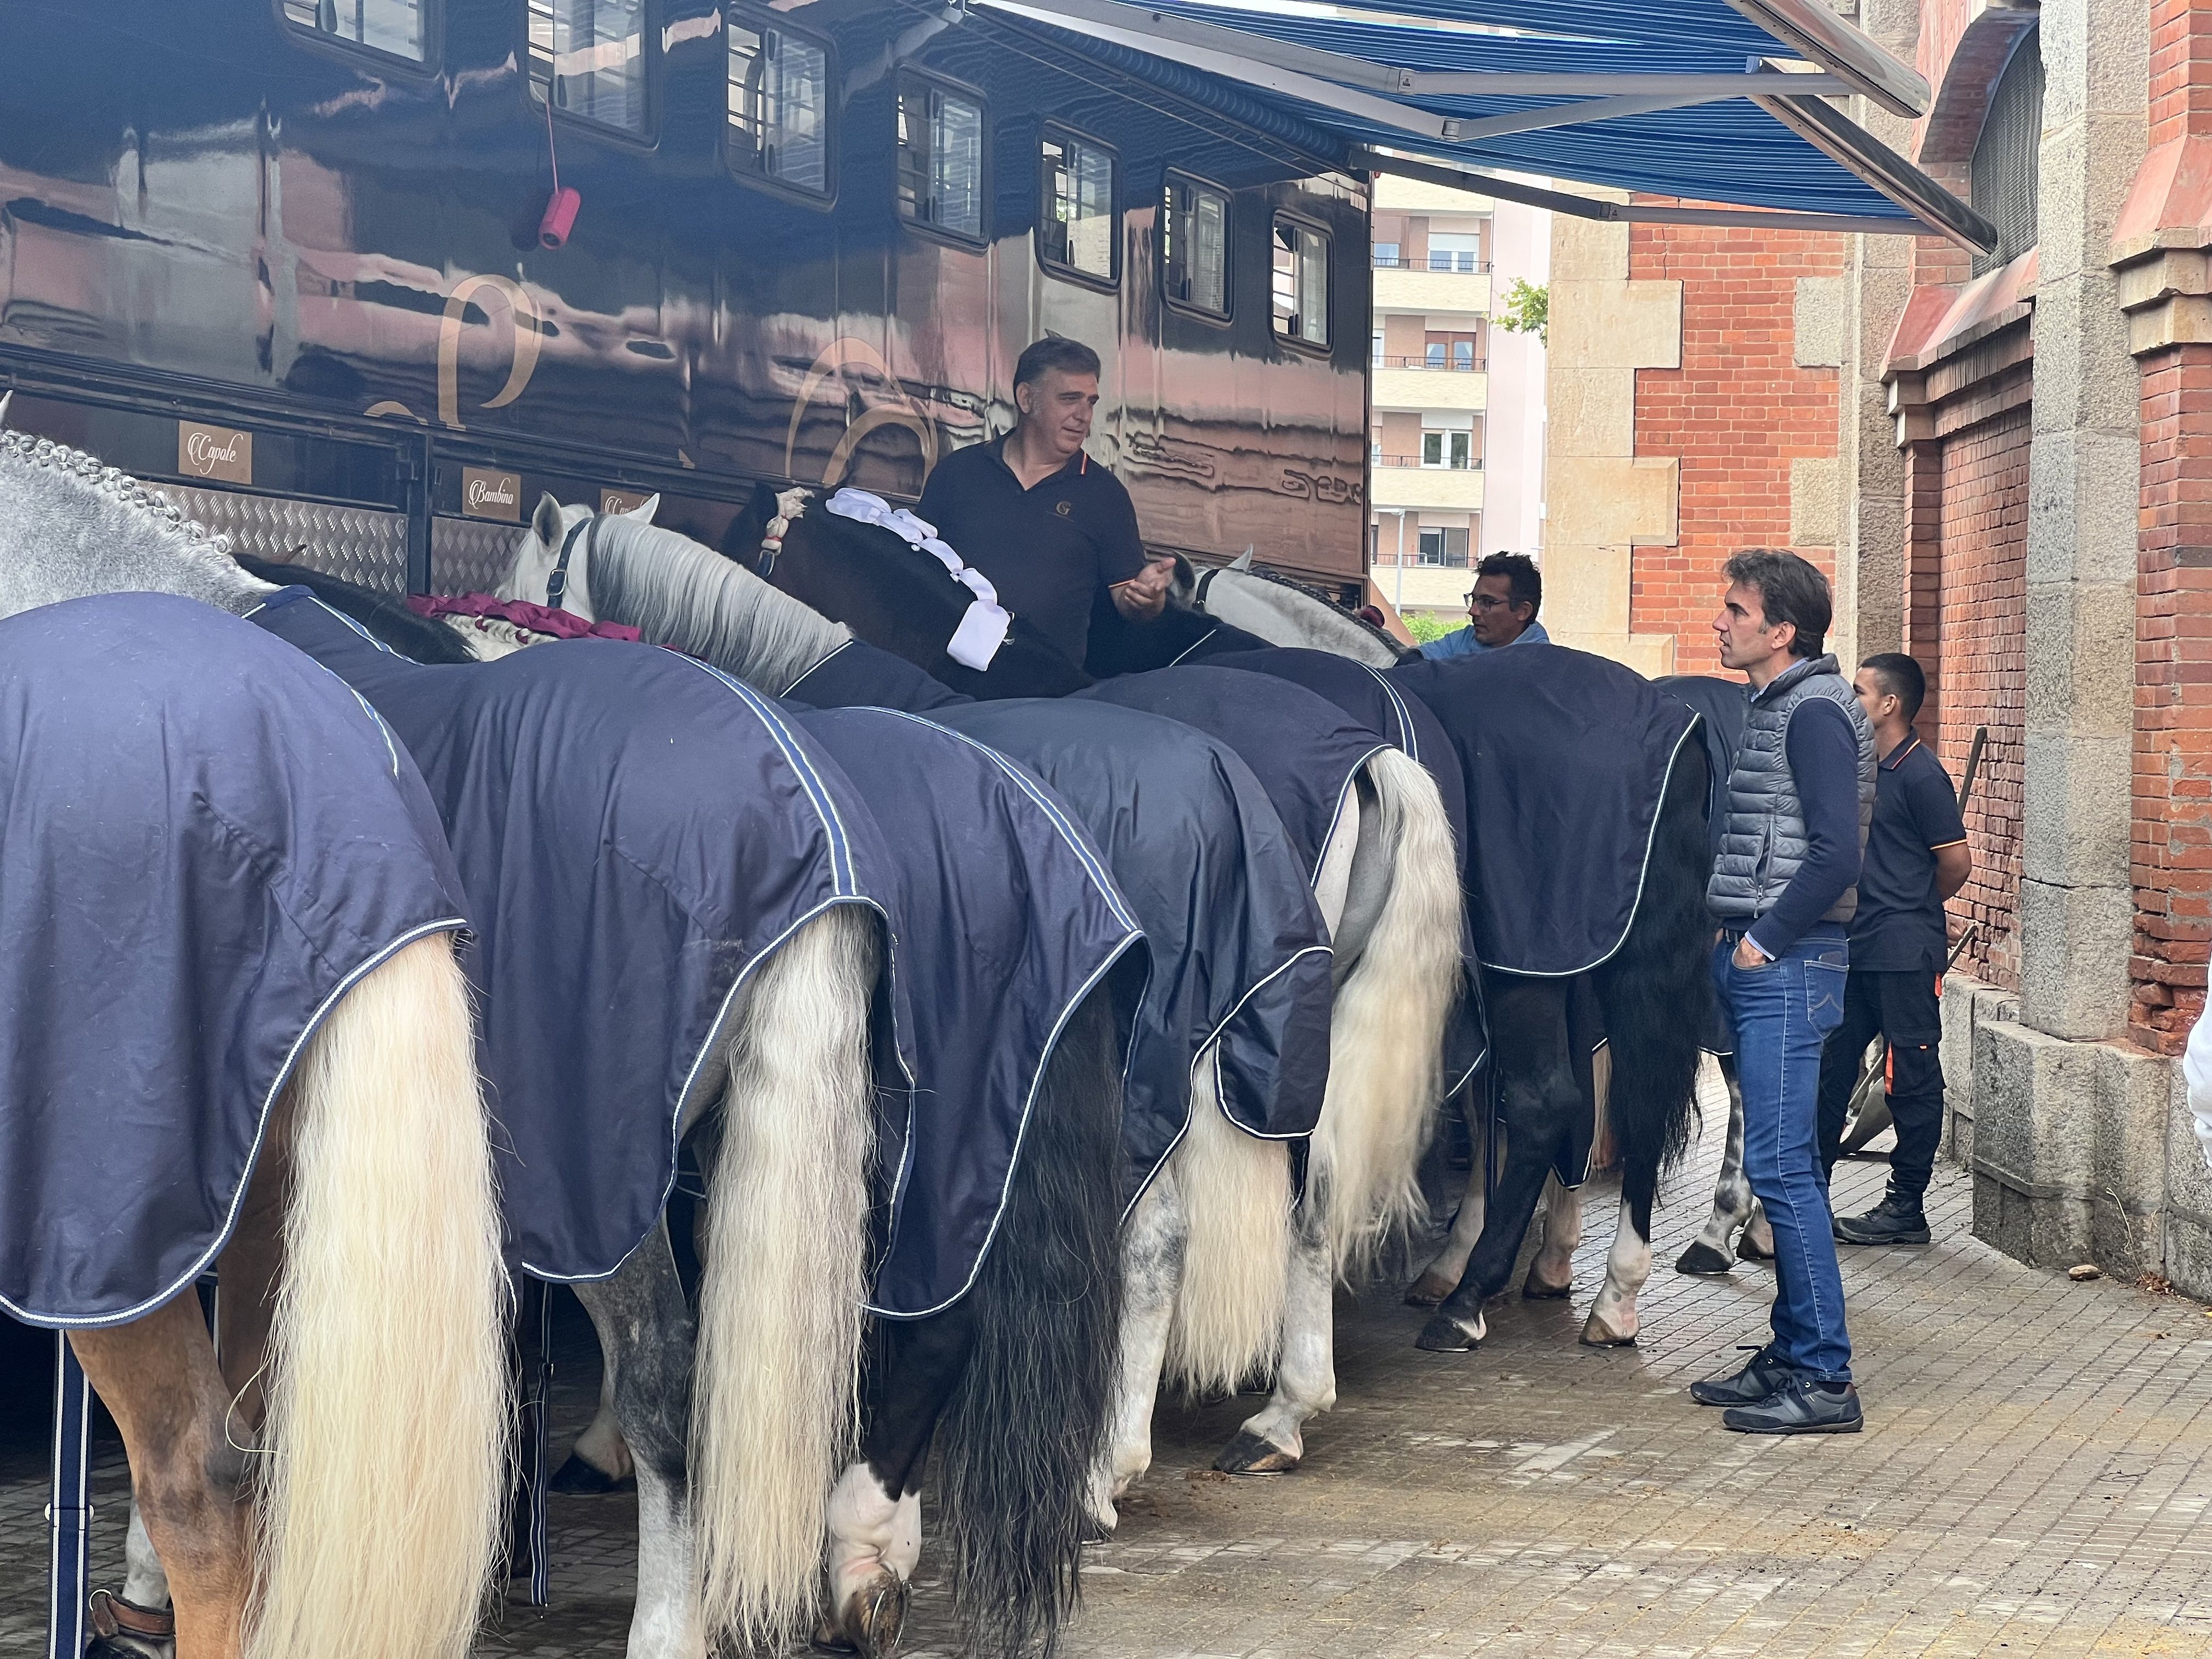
[1801,794]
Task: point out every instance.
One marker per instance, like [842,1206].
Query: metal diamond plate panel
[354,544]
[470,556]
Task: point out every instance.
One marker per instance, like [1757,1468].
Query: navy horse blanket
[206,842]
[1565,757]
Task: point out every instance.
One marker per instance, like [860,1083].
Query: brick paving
[2037,1462]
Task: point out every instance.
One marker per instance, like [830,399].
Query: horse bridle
[557,585]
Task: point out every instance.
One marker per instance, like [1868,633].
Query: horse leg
[1450,1264]
[1270,1442]
[599,1461]
[1551,1273]
[1708,1253]
[645,1332]
[875,1510]
[1613,1321]
[1151,1273]
[158,1377]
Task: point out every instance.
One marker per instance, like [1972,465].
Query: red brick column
[1924,576]
[2172,857]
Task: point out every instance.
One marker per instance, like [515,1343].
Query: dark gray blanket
[204,840]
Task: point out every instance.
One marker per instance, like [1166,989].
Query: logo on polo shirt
[1065,509]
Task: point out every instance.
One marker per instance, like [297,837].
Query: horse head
[552,562]
[1283,611]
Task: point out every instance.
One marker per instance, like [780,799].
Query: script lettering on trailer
[623,500]
[217,452]
[488,495]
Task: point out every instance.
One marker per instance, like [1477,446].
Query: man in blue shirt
[1800,793]
[1916,858]
[1502,609]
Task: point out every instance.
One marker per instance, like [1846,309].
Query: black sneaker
[1896,1220]
[1800,1405]
[1758,1381]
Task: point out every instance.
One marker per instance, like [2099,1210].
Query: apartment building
[1456,434]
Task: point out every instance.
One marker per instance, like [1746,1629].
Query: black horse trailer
[364,277]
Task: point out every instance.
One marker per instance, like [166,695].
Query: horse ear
[1186,578]
[545,522]
[1243,561]
[644,510]
[7,397]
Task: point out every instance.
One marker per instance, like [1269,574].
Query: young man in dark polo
[1916,859]
[1799,792]
[1046,523]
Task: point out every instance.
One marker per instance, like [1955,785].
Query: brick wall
[2170,865]
[1737,412]
[1980,661]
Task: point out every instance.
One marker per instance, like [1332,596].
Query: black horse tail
[387,620]
[1029,1418]
[1655,989]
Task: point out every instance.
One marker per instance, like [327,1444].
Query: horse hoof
[1597,1333]
[1702,1260]
[1252,1453]
[1429,1289]
[873,1616]
[581,1480]
[828,1638]
[1444,1335]
[1536,1291]
[1749,1248]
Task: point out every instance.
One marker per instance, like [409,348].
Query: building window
[1444,548]
[1301,282]
[2002,180]
[1076,231]
[1377,352]
[393,26]
[1454,251]
[1454,450]
[1194,246]
[779,106]
[940,158]
[589,57]
[1386,256]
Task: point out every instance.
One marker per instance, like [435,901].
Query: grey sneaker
[1800,1405]
[1758,1380]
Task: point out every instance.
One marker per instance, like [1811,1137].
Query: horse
[326,1476]
[1282,611]
[1394,903]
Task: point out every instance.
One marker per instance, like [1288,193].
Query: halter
[557,585]
[789,507]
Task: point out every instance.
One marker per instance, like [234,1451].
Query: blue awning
[1712,100]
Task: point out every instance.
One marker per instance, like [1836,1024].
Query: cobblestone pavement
[2037,1461]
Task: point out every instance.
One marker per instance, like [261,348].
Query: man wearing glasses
[1501,610]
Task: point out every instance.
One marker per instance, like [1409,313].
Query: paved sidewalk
[2037,1458]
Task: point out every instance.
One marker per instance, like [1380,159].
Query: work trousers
[1781,1013]
[1902,1008]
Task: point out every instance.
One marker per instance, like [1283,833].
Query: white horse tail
[1386,1027]
[775,1403]
[1235,1190]
[389,1412]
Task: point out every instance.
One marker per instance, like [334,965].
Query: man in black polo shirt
[1916,858]
[1046,523]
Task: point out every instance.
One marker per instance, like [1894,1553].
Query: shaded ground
[2037,1458]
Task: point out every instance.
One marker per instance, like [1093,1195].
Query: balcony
[1401,481]
[1407,285]
[1420,587]
[1430,383]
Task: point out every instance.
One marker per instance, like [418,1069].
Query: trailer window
[779,106]
[1076,231]
[589,57]
[1301,282]
[1194,246]
[940,158]
[393,26]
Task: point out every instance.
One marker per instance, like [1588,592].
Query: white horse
[332,1486]
[1281,611]
[1223,1276]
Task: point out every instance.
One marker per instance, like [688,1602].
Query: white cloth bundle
[982,630]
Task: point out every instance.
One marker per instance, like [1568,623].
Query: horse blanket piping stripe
[206,843]
[634,840]
[1566,756]
[1005,912]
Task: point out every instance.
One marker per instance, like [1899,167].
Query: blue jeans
[1780,1014]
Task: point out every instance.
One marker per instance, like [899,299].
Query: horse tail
[389,1413]
[774,1400]
[1027,1421]
[1386,1025]
[1235,1277]
[1655,989]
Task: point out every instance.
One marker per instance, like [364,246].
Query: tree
[1527,310]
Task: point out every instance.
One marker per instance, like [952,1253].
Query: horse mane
[70,527]
[1260,573]
[387,619]
[675,591]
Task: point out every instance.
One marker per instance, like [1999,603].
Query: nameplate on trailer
[623,500]
[488,495]
[219,453]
